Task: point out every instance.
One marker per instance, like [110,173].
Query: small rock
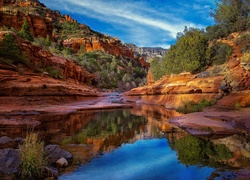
[54,152]
[50,172]
[19,139]
[62,162]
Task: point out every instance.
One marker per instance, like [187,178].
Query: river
[137,143]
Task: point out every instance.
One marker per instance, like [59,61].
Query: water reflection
[89,134]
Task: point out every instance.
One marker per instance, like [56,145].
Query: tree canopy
[188,54]
[230,16]
[25,31]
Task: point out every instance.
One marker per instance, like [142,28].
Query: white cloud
[136,19]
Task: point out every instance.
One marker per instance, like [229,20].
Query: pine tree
[9,51]
[25,31]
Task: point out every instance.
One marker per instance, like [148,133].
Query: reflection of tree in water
[109,123]
[195,151]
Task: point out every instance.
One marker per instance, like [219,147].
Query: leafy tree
[25,31]
[156,69]
[231,16]
[188,54]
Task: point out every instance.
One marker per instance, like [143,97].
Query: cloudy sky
[145,23]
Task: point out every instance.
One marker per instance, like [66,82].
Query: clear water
[144,159]
[136,143]
[141,144]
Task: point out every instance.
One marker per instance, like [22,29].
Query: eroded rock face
[105,43]
[229,82]
[12,16]
[24,82]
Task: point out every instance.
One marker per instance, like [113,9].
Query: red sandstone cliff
[41,21]
[228,83]
[21,80]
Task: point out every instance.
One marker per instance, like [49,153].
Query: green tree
[188,54]
[218,53]
[47,41]
[25,31]
[9,51]
[156,69]
[232,15]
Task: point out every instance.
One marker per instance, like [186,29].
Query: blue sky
[145,23]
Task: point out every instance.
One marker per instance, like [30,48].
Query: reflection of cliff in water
[51,127]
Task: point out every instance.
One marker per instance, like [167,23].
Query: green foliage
[156,69]
[47,41]
[10,53]
[112,72]
[25,31]
[191,106]
[230,16]
[194,151]
[246,58]
[218,53]
[188,54]
[244,42]
[54,72]
[32,157]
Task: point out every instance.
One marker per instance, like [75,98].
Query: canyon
[32,92]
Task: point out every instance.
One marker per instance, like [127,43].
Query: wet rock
[50,172]
[9,160]
[62,162]
[54,152]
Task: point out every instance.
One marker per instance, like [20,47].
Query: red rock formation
[106,44]
[171,91]
[41,58]
[143,62]
[12,16]
[68,18]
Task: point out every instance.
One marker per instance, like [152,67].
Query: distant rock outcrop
[104,43]
[148,53]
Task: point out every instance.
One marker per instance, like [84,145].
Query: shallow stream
[136,143]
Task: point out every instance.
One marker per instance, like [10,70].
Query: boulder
[54,152]
[9,160]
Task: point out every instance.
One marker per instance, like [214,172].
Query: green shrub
[244,42]
[32,157]
[246,58]
[54,72]
[218,53]
[191,106]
